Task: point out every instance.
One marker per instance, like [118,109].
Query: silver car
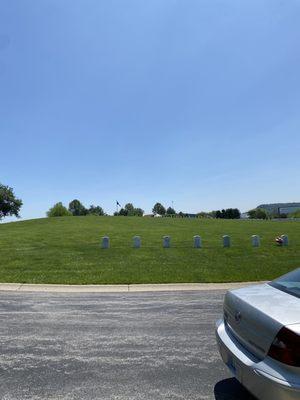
[259,337]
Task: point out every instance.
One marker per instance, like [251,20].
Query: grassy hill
[67,250]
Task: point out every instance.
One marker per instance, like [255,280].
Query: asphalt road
[112,346]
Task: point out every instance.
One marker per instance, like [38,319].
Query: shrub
[59,210]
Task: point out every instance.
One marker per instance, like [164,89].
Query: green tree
[58,210]
[258,213]
[236,214]
[9,204]
[218,214]
[95,210]
[130,209]
[261,214]
[252,213]
[76,208]
[171,211]
[159,209]
[232,213]
[138,212]
[229,213]
[123,212]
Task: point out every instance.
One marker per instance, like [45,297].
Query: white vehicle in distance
[259,337]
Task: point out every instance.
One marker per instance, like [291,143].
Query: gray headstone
[105,242]
[166,242]
[226,241]
[136,242]
[285,239]
[197,242]
[255,240]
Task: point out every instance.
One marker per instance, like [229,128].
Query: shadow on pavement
[231,389]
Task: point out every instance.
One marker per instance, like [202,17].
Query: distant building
[287,210]
[187,215]
[280,208]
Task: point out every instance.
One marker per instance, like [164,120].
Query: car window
[289,283]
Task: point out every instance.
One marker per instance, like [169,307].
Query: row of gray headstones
[226,240]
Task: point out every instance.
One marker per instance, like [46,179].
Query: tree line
[76,208]
[10,205]
[130,211]
[158,209]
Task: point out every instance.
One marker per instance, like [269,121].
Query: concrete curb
[169,287]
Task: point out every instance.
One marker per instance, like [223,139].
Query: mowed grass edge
[67,250]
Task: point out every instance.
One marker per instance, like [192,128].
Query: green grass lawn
[67,250]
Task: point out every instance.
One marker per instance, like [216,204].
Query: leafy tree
[229,213]
[232,213]
[130,209]
[252,213]
[138,212]
[96,210]
[159,209]
[236,213]
[261,214]
[258,213]
[171,211]
[59,210]
[76,208]
[219,214]
[123,212]
[9,204]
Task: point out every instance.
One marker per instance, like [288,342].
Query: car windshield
[289,283]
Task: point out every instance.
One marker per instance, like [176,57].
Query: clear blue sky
[195,102]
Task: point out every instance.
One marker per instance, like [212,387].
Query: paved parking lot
[112,346]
